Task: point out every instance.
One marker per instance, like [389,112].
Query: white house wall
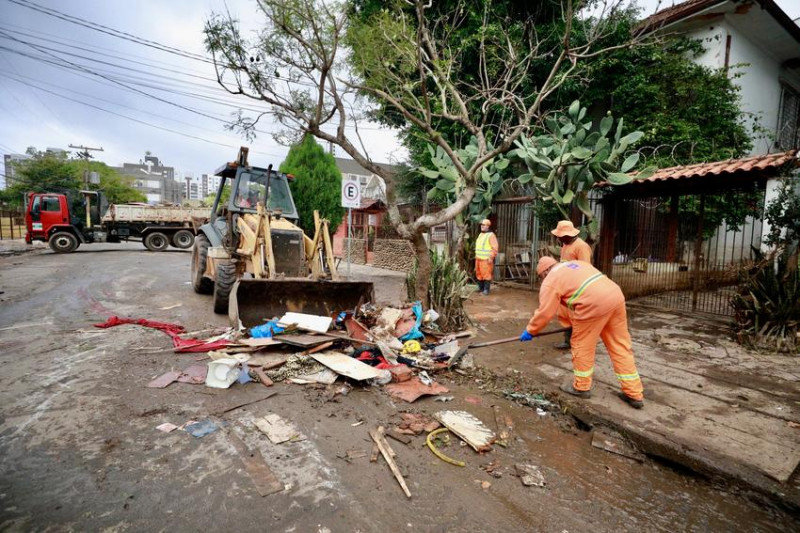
[759,74]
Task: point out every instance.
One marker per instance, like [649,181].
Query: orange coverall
[485,244]
[596,310]
[577,250]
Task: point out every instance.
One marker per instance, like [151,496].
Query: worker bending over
[485,251]
[596,308]
[573,248]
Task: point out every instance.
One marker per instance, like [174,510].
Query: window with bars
[788,134]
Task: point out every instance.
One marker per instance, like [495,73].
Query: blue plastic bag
[266,331]
[415,333]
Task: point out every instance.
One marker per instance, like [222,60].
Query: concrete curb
[708,464]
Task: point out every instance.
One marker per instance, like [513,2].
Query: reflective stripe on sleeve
[581,289]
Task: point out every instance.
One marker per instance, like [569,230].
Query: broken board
[305,341]
[468,428]
[346,366]
[263,478]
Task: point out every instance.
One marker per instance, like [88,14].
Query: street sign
[351,194]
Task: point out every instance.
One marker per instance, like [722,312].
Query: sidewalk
[18,246]
[710,405]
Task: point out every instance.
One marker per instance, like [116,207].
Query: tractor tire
[63,242]
[156,241]
[201,284]
[183,239]
[226,277]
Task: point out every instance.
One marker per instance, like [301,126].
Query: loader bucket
[254,301]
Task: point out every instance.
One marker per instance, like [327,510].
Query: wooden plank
[315,349]
[384,449]
[306,340]
[346,366]
[263,478]
[262,377]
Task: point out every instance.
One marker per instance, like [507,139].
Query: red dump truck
[65,221]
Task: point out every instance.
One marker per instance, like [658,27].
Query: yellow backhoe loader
[256,262]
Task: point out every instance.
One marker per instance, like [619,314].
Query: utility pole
[84,154]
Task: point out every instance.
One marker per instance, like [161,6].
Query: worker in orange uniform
[485,251]
[573,248]
[596,310]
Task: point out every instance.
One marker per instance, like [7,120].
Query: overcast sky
[44,105]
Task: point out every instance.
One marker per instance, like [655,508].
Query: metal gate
[12,224]
[685,252]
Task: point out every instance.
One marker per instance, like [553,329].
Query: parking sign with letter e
[351,194]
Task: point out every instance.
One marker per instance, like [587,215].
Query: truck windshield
[252,189]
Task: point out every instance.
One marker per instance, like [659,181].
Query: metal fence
[684,252]
[12,224]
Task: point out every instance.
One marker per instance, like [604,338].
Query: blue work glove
[525,336]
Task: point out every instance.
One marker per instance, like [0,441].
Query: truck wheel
[63,243]
[156,241]
[183,239]
[226,277]
[201,284]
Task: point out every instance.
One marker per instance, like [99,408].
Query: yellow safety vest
[483,246]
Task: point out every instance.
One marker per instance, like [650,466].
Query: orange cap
[545,263]
[565,229]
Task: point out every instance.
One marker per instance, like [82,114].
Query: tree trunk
[460,251]
[423,268]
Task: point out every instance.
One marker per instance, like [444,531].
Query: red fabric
[181,345]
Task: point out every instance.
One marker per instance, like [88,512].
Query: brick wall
[393,254]
[357,252]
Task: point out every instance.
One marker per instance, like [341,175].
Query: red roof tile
[676,12]
[747,164]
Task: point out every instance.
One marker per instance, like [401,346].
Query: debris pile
[398,348]
[397,351]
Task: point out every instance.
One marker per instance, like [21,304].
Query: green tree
[310,62]
[688,113]
[317,184]
[52,172]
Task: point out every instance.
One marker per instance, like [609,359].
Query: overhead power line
[110,31]
[145,123]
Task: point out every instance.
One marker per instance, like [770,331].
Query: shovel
[460,353]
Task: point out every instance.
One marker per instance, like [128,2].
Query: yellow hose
[439,454]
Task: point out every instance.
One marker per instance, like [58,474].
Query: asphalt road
[79,449]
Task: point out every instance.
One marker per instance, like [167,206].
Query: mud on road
[79,449]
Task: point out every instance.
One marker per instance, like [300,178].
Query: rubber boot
[636,404]
[567,338]
[569,388]
[480,286]
[486,287]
